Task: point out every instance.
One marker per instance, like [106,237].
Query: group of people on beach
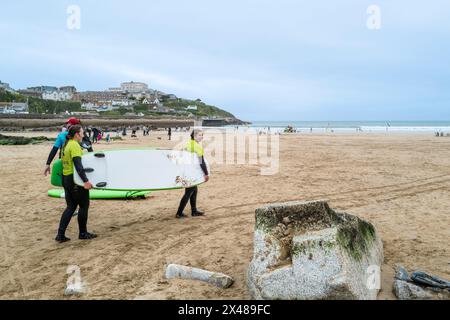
[70,144]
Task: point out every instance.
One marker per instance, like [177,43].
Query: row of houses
[14,108]
[125,96]
[103,106]
[50,93]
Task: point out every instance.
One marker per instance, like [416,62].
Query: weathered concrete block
[305,250]
[182,272]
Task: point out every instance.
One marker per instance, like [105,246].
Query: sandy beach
[399,182]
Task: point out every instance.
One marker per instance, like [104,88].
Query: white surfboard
[144,169]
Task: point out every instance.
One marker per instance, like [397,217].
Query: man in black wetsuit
[95,133]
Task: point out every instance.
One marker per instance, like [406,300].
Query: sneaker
[62,239]
[181,216]
[87,236]
[198,214]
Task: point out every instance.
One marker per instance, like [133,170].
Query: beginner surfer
[76,196]
[61,140]
[191,193]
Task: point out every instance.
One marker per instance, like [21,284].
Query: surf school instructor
[194,146]
[75,195]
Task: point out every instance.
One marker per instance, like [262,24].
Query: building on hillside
[14,108]
[134,87]
[192,107]
[96,96]
[100,107]
[89,106]
[126,103]
[68,89]
[141,95]
[57,96]
[83,113]
[105,107]
[43,89]
[115,89]
[29,93]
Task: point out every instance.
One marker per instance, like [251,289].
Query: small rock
[408,291]
[401,274]
[220,280]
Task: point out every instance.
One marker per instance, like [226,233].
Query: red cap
[73,121]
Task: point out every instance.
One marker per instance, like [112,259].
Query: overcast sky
[261,60]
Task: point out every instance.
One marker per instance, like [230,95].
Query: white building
[101,107]
[89,106]
[13,107]
[57,95]
[192,107]
[105,107]
[122,103]
[115,90]
[134,87]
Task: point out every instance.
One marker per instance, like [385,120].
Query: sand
[401,183]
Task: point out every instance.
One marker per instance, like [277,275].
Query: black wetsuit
[76,196]
[190,194]
[95,133]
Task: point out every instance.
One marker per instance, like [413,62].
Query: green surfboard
[103,194]
[56,177]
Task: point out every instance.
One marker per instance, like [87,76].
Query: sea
[352,126]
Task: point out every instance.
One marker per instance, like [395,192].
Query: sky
[261,60]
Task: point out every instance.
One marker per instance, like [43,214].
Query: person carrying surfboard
[76,196]
[61,140]
[194,146]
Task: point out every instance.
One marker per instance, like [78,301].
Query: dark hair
[72,131]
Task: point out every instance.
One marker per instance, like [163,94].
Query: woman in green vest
[190,194]
[76,196]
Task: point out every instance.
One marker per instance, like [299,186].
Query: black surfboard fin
[101,184]
[99,155]
[88,170]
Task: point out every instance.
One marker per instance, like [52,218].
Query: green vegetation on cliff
[6,96]
[203,109]
[37,105]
